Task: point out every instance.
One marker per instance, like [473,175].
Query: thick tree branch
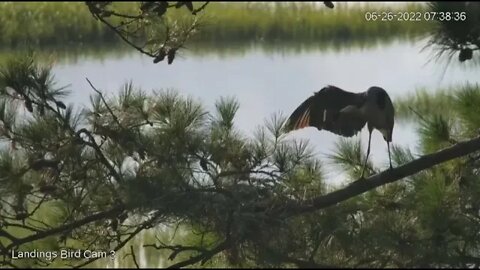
[363,185]
[177,249]
[67,227]
[7,235]
[203,257]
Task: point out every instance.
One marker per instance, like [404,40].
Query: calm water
[276,81]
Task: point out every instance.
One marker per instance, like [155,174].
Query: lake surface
[272,81]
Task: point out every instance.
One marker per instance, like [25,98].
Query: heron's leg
[389,156]
[368,152]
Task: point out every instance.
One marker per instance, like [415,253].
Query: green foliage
[435,133]
[350,156]
[226,110]
[444,117]
[466,104]
[423,102]
[146,154]
[458,33]
[428,219]
[138,161]
[401,155]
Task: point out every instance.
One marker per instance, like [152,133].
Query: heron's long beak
[389,156]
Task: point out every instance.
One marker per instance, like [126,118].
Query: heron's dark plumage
[381,99]
[345,113]
[331,109]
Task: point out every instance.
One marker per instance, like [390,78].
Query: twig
[105,102]
[450,140]
[135,17]
[134,258]
[23,226]
[177,249]
[194,12]
[38,205]
[99,152]
[125,24]
[418,114]
[205,256]
[124,38]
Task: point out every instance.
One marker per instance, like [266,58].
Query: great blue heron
[346,113]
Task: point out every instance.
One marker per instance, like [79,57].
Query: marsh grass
[303,22]
[48,23]
[67,23]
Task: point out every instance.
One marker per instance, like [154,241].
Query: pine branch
[67,227]
[361,186]
[203,257]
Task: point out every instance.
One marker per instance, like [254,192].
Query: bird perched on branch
[345,113]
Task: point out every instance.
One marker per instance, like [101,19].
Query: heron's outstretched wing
[332,109]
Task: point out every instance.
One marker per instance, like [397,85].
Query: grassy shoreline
[66,23]
[303,22]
